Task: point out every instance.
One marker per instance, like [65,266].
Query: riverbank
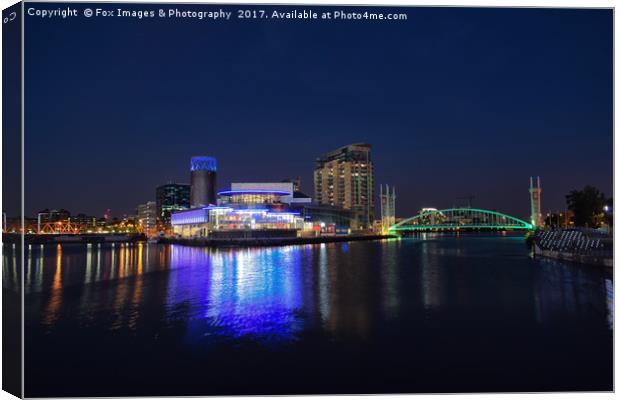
[597,260]
[578,245]
[66,238]
[260,242]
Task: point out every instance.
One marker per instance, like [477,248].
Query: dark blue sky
[455,101]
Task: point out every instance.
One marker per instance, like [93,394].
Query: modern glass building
[241,213]
[171,197]
[269,199]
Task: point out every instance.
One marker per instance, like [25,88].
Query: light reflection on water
[278,293]
[459,313]
[237,293]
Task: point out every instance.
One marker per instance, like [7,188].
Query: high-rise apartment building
[344,178]
[146,217]
[171,197]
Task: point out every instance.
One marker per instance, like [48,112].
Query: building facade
[146,217]
[240,213]
[168,198]
[345,178]
[291,187]
[203,181]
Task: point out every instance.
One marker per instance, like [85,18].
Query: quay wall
[573,257]
[80,238]
[257,242]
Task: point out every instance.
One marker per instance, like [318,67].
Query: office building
[171,197]
[344,178]
[203,180]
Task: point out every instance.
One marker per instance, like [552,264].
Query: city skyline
[474,107]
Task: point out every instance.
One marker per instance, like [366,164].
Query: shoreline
[93,238]
[599,261]
[262,242]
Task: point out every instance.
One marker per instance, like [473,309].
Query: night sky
[455,101]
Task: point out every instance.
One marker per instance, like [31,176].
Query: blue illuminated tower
[203,172]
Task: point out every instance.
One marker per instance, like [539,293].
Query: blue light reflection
[254,292]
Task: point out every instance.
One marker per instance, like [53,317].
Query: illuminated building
[324,219]
[61,221]
[292,187]
[85,222]
[47,215]
[146,217]
[241,213]
[171,197]
[344,178]
[47,219]
[255,198]
[559,220]
[203,181]
[536,218]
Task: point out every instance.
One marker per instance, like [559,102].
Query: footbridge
[457,219]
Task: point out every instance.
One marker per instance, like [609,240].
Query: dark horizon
[455,102]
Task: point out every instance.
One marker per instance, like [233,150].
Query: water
[433,314]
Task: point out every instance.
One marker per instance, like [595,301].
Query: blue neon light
[240,192]
[195,216]
[203,163]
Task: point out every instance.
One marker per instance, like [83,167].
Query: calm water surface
[433,314]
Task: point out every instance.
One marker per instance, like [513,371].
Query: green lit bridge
[459,219]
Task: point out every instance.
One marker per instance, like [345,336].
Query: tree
[587,206]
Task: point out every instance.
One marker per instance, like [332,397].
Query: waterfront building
[536,218]
[203,181]
[14,225]
[240,213]
[344,178]
[171,197]
[324,219]
[292,187]
[146,217]
[48,215]
[559,220]
[85,223]
[48,218]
